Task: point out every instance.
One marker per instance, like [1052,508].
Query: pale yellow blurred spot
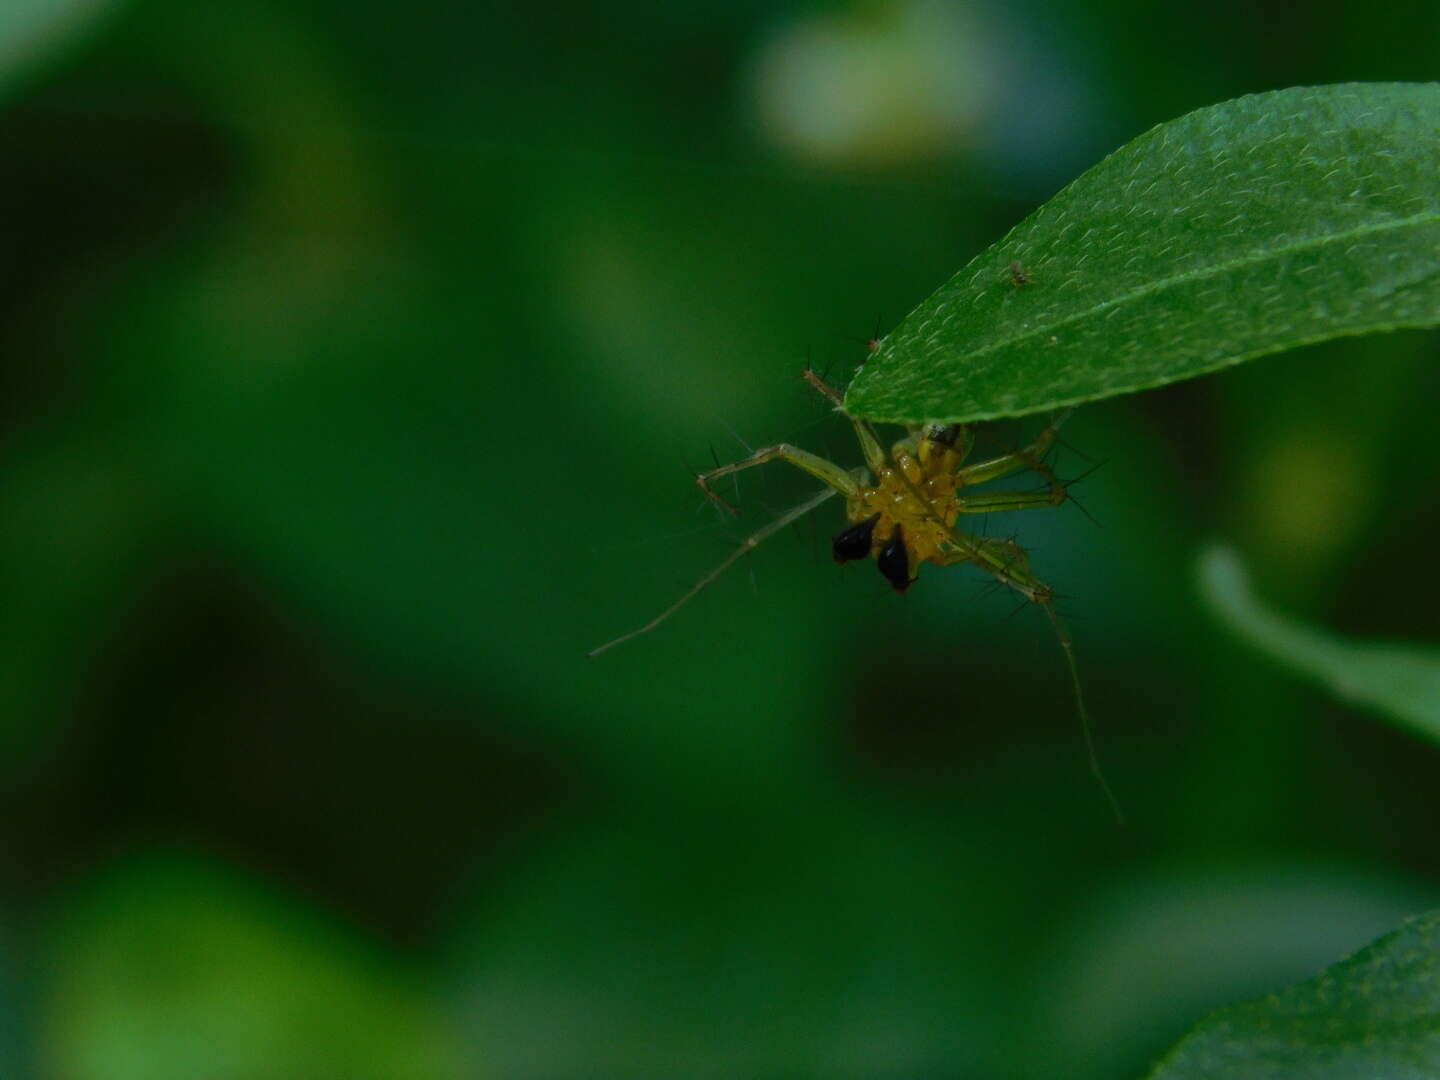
[660,319]
[1309,494]
[902,83]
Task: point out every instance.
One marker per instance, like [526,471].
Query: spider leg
[1004,559]
[992,502]
[869,444]
[817,380]
[1029,457]
[832,475]
[1007,562]
[750,543]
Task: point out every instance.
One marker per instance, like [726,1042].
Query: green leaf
[1397,679]
[1375,1015]
[1252,226]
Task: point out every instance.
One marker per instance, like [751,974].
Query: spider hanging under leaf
[902,506]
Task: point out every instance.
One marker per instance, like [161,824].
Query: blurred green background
[356,355]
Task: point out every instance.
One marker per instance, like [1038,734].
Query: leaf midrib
[1212,270]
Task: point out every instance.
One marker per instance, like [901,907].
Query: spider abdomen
[856,541]
[894,561]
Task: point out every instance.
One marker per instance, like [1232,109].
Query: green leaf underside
[1375,1015]
[1256,225]
[1400,680]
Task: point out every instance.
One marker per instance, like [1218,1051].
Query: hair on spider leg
[1071,497]
[1082,508]
[871,343]
[1088,472]
[820,385]
[1045,462]
[1051,457]
[704,506]
[735,435]
[810,366]
[808,375]
[1053,596]
[1069,615]
[1001,577]
[989,588]
[734,482]
[1024,603]
[1072,448]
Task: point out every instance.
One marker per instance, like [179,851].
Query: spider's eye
[854,542]
[944,434]
[894,562]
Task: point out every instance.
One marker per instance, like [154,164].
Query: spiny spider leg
[991,502]
[815,379]
[1006,561]
[826,472]
[1062,632]
[1030,457]
[830,474]
[750,543]
[836,479]
[869,444]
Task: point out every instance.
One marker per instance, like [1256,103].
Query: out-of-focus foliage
[31,31]
[1374,1014]
[355,360]
[1245,228]
[169,967]
[1397,679]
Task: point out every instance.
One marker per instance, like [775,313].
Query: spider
[902,506]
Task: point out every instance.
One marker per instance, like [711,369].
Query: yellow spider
[902,507]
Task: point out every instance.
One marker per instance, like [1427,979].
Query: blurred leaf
[1153,950]
[73,557]
[1400,680]
[1374,1015]
[173,967]
[637,944]
[29,29]
[1256,225]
